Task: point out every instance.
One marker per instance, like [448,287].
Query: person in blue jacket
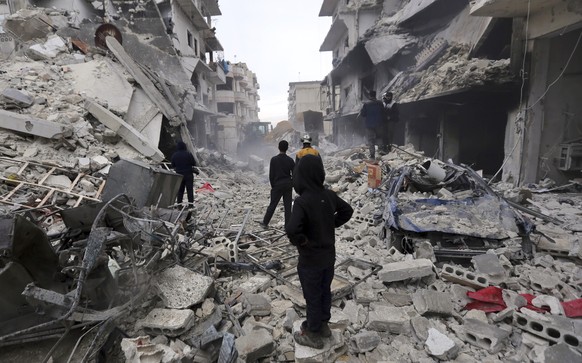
[316,213]
[183,163]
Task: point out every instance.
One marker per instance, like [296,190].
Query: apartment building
[458,71]
[305,96]
[237,103]
[189,24]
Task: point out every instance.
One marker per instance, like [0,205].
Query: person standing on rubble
[281,180]
[316,213]
[307,149]
[373,112]
[392,115]
[183,163]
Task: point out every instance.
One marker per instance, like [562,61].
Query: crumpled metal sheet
[483,215]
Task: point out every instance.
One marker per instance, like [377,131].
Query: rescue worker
[307,149]
[281,180]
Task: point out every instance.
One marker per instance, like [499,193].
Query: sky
[279,41]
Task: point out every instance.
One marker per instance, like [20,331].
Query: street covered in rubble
[441,260]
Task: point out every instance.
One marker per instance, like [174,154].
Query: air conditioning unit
[570,157]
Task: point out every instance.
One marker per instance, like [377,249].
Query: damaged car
[454,209]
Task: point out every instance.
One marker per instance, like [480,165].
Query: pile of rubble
[98,264]
[454,68]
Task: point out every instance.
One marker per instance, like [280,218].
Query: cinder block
[170,322]
[388,319]
[463,277]
[483,335]
[364,341]
[547,331]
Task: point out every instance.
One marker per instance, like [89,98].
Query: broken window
[190,38]
[347,91]
[225,87]
[225,107]
[195,46]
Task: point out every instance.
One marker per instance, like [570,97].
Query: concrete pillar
[534,118]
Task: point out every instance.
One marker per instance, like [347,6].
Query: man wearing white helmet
[307,148]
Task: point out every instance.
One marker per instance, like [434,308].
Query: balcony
[212,7]
[510,8]
[328,7]
[244,82]
[238,73]
[240,96]
[225,96]
[194,14]
[217,76]
[547,17]
[336,33]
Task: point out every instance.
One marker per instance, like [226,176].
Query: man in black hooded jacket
[316,213]
[184,163]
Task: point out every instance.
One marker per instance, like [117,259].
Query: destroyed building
[486,83]
[437,264]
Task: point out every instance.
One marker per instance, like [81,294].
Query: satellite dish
[104,31]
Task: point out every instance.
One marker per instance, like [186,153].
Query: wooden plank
[51,188]
[100,190]
[13,190]
[79,176]
[46,197]
[24,166]
[45,177]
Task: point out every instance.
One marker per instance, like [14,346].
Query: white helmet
[306,139]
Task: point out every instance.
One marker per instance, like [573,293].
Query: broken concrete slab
[404,270]
[488,264]
[428,302]
[29,24]
[148,86]
[560,353]
[169,322]
[14,97]
[144,116]
[258,344]
[181,288]
[123,129]
[33,126]
[110,87]
[50,49]
[388,319]
[364,341]
[440,346]
[257,305]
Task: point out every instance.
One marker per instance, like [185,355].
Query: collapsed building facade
[182,54]
[469,77]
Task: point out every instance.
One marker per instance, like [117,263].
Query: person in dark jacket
[281,179]
[375,116]
[316,213]
[183,163]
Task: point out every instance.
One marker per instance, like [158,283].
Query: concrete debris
[440,346]
[182,288]
[92,237]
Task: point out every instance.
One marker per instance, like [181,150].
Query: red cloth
[490,300]
[205,188]
[573,308]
